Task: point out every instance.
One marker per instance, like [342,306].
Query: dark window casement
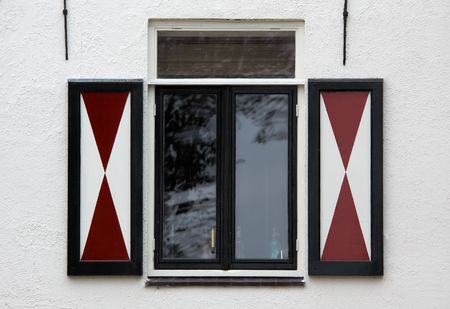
[225,184]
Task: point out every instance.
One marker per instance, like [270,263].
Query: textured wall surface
[406,42]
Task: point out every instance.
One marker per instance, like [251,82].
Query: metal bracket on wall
[65,29]
[345,15]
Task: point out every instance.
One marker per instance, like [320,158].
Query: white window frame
[297,26]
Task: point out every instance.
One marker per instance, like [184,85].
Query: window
[224,187]
[225,190]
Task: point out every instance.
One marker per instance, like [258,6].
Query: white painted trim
[156,25]
[152,52]
[300,52]
[151,190]
[302,181]
[223,273]
[220,23]
[226,81]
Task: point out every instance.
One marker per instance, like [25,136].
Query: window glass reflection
[261,192]
[189,175]
[227,54]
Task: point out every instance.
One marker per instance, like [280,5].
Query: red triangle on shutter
[345,239]
[345,110]
[105,240]
[105,111]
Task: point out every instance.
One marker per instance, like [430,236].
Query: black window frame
[225,180]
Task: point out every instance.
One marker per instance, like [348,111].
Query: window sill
[224,281]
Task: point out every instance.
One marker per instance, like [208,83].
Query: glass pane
[226,54]
[261,229]
[189,175]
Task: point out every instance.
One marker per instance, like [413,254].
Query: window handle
[213,239]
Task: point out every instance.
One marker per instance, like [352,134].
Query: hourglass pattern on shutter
[345,175]
[105,191]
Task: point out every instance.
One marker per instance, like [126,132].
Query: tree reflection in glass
[190,129]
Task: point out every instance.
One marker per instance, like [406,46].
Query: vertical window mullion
[232,155]
[225,178]
[292,181]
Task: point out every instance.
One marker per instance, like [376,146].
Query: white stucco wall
[406,42]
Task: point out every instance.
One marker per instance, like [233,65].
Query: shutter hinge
[296,245]
[154,110]
[153,244]
[297,110]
